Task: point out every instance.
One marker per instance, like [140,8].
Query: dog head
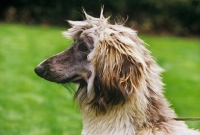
[70,65]
[107,61]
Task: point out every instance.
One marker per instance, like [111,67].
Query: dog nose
[39,70]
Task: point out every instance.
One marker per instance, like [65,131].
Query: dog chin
[73,79]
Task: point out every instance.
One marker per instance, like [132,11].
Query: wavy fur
[124,93]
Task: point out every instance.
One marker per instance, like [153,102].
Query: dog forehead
[85,38]
[82,36]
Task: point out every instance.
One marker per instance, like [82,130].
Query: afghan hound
[120,91]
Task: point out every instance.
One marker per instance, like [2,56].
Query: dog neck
[145,108]
[118,120]
[138,113]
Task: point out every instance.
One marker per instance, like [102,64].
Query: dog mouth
[77,78]
[73,79]
[62,78]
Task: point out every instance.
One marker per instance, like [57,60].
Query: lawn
[30,105]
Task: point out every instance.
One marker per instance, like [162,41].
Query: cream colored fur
[145,111]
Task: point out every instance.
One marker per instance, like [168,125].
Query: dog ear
[117,77]
[130,76]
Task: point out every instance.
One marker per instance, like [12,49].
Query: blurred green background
[30,31]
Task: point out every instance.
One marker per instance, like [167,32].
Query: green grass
[180,59]
[30,105]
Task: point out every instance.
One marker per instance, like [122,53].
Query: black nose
[39,70]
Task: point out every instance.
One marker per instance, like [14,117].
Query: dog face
[101,70]
[70,65]
[108,61]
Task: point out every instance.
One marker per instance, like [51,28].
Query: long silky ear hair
[118,72]
[117,60]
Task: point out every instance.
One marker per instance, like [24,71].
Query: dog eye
[82,47]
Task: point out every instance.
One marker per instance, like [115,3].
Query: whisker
[70,87]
